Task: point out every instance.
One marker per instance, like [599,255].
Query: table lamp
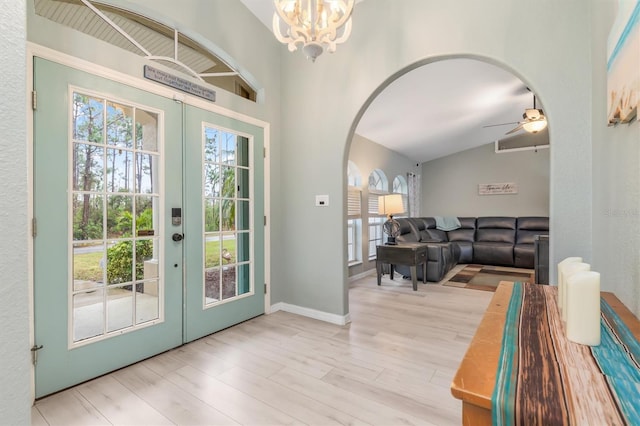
[389,205]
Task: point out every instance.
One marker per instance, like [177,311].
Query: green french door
[145,225]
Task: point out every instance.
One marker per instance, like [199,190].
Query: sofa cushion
[467,235]
[426,230]
[434,235]
[493,253]
[496,230]
[529,227]
[466,251]
[408,232]
[523,256]
[466,232]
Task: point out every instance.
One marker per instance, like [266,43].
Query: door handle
[177,237]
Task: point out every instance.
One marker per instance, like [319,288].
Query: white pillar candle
[561,265]
[568,270]
[583,308]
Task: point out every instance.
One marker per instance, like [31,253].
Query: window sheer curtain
[413,182]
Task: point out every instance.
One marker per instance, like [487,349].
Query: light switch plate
[322,200]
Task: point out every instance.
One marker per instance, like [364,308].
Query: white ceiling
[437,109]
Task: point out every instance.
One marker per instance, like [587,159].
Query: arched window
[400,187]
[378,185]
[354,214]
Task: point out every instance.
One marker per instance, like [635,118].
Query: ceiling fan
[534,120]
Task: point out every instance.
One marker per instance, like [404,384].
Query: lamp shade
[390,204]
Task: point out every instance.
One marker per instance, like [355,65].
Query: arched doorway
[435,109]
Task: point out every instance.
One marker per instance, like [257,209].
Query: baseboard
[312,313]
[362,275]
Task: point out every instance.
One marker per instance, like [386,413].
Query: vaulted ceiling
[439,108]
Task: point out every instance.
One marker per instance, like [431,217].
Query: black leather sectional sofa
[500,241]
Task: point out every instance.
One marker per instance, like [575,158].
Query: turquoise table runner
[544,379]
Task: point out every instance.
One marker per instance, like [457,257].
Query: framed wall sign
[497,188]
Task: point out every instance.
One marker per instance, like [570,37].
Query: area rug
[487,278]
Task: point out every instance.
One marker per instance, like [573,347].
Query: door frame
[34,50]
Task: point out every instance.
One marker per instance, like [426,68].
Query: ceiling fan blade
[501,124]
[515,129]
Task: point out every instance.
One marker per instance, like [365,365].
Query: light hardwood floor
[392,365]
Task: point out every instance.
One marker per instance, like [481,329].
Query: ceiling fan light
[535,126]
[532,114]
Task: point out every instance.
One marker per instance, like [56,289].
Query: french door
[145,224]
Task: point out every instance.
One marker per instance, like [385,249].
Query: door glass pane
[212,180]
[115,217]
[88,315]
[211,215]
[119,125]
[229,282]
[87,174]
[227,206]
[228,215]
[119,170]
[147,298]
[146,130]
[146,216]
[243,247]
[87,216]
[88,118]
[228,177]
[242,152]
[243,183]
[119,308]
[88,266]
[119,216]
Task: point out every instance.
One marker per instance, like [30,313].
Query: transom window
[148,38]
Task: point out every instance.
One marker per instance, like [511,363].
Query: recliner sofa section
[500,241]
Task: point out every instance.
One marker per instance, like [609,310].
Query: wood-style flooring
[392,365]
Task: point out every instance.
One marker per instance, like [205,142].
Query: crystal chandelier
[313,24]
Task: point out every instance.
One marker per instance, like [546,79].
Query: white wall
[15,372]
[616,180]
[368,156]
[323,101]
[450,184]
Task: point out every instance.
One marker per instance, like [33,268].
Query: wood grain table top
[475,379]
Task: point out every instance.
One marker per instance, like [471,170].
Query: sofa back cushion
[466,232]
[408,231]
[496,229]
[428,231]
[529,227]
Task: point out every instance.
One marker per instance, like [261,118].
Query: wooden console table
[475,379]
[411,254]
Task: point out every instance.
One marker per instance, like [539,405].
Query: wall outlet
[322,200]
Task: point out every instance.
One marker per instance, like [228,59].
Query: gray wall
[450,184]
[368,156]
[616,180]
[15,373]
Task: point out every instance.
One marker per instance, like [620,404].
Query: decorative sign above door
[178,83]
